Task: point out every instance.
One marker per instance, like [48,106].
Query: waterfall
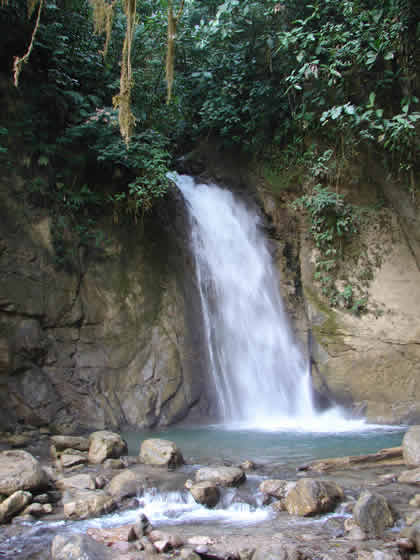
[260,376]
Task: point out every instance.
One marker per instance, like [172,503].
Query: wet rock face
[103,341]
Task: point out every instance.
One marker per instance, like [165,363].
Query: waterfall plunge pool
[272,449]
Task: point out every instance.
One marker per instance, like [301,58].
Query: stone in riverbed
[160,452]
[378,555]
[81,504]
[80,482]
[70,442]
[19,470]
[311,497]
[278,552]
[71,461]
[116,534]
[105,445]
[127,484]
[372,513]
[205,492]
[411,446]
[14,504]
[276,488]
[222,476]
[77,547]
[410,477]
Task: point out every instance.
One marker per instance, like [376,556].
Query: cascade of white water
[260,376]
[258,371]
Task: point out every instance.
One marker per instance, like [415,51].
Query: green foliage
[333,222]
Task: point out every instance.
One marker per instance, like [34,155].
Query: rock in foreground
[19,470]
[372,513]
[81,504]
[311,497]
[78,547]
[205,492]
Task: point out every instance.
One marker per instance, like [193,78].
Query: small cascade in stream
[261,377]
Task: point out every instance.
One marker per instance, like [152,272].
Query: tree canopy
[260,76]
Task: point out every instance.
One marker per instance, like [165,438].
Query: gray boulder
[276,488]
[160,452]
[410,477]
[105,445]
[206,493]
[411,446]
[81,504]
[70,442]
[127,484]
[311,497]
[372,513]
[222,476]
[19,470]
[78,547]
[79,482]
[14,504]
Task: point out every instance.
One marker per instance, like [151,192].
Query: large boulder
[222,476]
[127,484]
[205,492]
[14,504]
[276,488]
[311,497]
[77,547]
[372,513]
[19,470]
[81,504]
[79,482]
[104,445]
[411,446]
[160,452]
[70,442]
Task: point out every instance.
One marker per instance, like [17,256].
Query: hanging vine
[122,100]
[103,14]
[19,62]
[103,17]
[170,53]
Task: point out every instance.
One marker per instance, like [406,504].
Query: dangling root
[103,15]
[170,53]
[123,99]
[19,62]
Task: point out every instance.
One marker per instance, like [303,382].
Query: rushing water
[260,376]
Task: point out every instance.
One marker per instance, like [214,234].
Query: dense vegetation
[305,84]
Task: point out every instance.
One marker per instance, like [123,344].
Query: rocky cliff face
[107,343]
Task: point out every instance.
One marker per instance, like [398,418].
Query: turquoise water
[203,445]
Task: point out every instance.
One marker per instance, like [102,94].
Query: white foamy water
[178,508]
[260,376]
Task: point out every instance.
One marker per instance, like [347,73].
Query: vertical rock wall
[104,344]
